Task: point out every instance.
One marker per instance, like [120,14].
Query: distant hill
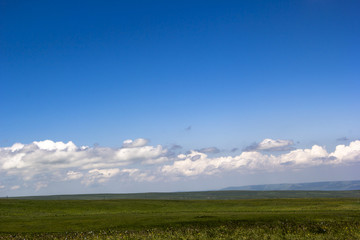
[343,189]
[313,186]
[207,195]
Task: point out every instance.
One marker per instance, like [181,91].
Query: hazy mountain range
[320,186]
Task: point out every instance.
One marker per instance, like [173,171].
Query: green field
[307,218]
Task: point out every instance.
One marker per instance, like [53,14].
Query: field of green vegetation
[325,218]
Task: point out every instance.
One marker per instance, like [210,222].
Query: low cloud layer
[29,160]
[42,162]
[197,163]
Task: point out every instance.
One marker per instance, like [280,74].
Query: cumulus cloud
[271,145]
[139,153]
[49,145]
[197,163]
[40,162]
[100,175]
[47,156]
[347,154]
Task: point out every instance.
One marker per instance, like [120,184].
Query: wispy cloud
[271,145]
[15,187]
[140,142]
[175,147]
[209,150]
[234,149]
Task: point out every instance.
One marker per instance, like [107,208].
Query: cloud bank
[41,162]
[47,156]
[197,163]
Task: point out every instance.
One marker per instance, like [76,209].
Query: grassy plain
[326,218]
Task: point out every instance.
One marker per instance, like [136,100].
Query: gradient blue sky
[199,74]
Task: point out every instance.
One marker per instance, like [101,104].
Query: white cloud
[46,156]
[53,146]
[349,153]
[40,185]
[140,142]
[138,175]
[268,144]
[71,175]
[138,153]
[187,166]
[196,163]
[44,161]
[15,187]
[271,145]
[100,175]
[16,147]
[313,156]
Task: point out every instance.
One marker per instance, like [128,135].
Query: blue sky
[198,74]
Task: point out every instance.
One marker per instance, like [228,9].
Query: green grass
[177,219]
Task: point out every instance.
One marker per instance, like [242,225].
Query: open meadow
[303,218]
